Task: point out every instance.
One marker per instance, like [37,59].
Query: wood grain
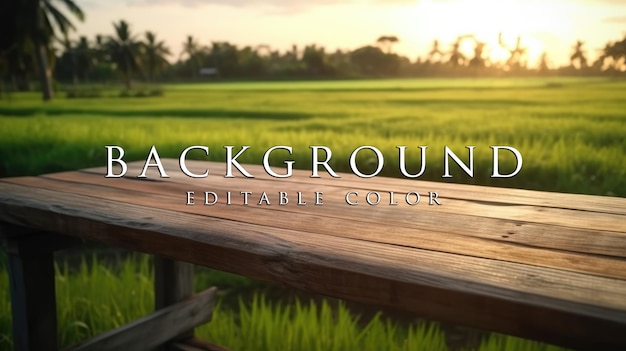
[415,233]
[553,208]
[574,239]
[460,191]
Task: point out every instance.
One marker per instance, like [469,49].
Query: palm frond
[60,19]
[74,9]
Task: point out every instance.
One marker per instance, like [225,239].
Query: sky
[552,26]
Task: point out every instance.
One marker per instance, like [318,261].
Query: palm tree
[616,53]
[85,57]
[456,56]
[192,49]
[37,23]
[435,51]
[154,55]
[124,51]
[70,51]
[516,54]
[578,56]
[100,48]
[387,42]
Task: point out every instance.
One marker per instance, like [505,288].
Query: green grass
[95,297]
[387,84]
[569,131]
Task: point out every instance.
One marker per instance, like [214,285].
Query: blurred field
[570,131]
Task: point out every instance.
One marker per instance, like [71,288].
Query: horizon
[543,26]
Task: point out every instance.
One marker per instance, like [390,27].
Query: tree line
[37,47]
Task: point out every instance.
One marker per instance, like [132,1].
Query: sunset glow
[552,26]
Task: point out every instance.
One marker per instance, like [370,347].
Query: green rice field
[570,131]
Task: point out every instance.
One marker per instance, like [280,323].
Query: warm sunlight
[496,24]
[553,26]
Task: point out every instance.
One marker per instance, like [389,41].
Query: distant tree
[31,27]
[102,67]
[314,60]
[100,48]
[154,53]
[435,51]
[224,56]
[69,55]
[615,54]
[372,61]
[294,53]
[124,51]
[456,56]
[76,60]
[251,61]
[193,51]
[600,62]
[340,63]
[85,58]
[478,60]
[578,58]
[387,41]
[516,54]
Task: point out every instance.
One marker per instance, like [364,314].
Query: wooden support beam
[157,328]
[173,281]
[33,299]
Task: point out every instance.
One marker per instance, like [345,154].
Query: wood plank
[494,207]
[33,302]
[551,305]
[453,190]
[133,216]
[523,232]
[531,214]
[173,282]
[156,328]
[377,229]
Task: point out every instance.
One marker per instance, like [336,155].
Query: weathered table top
[547,266]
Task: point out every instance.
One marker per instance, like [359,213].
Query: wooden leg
[173,282]
[33,300]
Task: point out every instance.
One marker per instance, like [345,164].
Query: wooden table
[540,265]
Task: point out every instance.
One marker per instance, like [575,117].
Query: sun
[497,24]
